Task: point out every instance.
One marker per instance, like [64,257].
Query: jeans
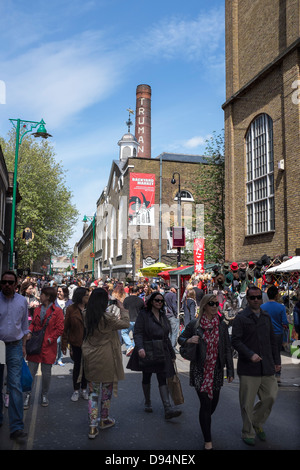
[46,375]
[125,335]
[174,322]
[14,362]
[59,354]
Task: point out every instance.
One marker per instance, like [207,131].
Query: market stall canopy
[289,266]
[154,269]
[182,270]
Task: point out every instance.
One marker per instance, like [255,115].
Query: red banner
[141,199]
[199,255]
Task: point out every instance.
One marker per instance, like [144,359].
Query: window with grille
[260,176]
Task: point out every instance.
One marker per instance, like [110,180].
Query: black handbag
[34,344]
[188,351]
[155,353]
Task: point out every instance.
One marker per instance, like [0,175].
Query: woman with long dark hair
[152,324]
[102,357]
[210,336]
[73,334]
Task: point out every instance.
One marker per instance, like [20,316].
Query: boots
[170,412]
[146,390]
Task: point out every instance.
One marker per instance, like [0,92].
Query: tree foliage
[46,206]
[209,190]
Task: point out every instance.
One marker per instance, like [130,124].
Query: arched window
[185,196]
[260,176]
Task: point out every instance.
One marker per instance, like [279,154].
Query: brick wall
[259,40]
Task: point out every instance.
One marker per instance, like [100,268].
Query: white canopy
[291,265]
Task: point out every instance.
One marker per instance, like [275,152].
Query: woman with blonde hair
[189,306]
[209,335]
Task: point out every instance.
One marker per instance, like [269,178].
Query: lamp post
[173,181]
[92,219]
[22,128]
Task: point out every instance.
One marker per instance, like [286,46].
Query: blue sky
[77,65]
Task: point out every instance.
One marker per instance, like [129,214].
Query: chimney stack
[143,120]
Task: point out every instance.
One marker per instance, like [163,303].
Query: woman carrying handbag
[52,316]
[151,338]
[209,336]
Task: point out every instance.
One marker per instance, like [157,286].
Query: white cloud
[196,141]
[60,79]
[192,39]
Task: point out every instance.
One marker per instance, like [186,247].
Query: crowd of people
[220,316]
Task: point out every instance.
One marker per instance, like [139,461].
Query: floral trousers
[105,398]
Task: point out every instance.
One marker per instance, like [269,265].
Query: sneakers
[26,401]
[85,394]
[107,423]
[250,441]
[45,401]
[260,433]
[93,432]
[60,363]
[75,395]
[129,351]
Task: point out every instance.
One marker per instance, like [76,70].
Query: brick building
[129,238]
[262,145]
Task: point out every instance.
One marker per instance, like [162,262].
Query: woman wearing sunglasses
[213,351]
[152,324]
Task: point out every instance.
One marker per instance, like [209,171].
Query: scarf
[211,337]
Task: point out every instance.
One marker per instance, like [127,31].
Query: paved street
[63,424]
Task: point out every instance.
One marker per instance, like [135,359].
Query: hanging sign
[199,255]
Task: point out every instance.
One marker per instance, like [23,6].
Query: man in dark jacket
[254,340]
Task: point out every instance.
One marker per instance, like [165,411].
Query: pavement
[63,424]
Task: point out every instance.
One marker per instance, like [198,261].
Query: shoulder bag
[34,344]
[189,350]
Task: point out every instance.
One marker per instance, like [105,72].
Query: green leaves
[46,206]
[209,190]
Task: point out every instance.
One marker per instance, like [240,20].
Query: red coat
[54,329]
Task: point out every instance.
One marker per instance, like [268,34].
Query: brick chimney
[143,120]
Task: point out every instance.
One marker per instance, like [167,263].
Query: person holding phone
[258,359]
[209,334]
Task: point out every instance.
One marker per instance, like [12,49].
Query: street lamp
[173,181]
[22,127]
[92,219]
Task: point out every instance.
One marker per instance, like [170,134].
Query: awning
[154,269]
[181,270]
[289,266]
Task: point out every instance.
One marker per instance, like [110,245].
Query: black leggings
[76,356]
[161,378]
[207,407]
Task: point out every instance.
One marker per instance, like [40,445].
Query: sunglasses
[253,297]
[158,300]
[3,282]
[212,304]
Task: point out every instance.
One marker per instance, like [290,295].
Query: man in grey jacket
[258,360]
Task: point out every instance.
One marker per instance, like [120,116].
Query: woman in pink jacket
[47,311]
